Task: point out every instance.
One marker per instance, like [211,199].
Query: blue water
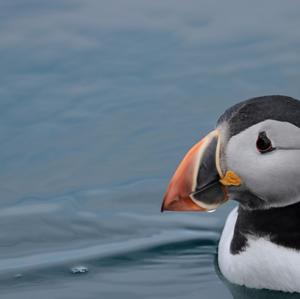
[99,101]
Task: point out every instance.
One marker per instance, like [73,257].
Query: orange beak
[196,185]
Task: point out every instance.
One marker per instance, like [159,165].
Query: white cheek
[274,175]
[243,158]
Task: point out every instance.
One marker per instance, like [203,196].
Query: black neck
[280,225]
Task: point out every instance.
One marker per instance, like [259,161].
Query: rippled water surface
[99,100]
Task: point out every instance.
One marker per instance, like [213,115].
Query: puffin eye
[263,143]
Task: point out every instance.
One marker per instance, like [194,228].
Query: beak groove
[195,185]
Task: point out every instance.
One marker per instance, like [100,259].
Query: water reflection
[239,292]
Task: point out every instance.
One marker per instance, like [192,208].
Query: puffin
[253,158]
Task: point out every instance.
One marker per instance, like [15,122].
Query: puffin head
[253,157]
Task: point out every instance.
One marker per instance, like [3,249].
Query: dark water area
[99,101]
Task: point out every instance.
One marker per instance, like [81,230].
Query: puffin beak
[198,183]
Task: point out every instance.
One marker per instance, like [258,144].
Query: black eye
[263,143]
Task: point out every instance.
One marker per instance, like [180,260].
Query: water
[99,101]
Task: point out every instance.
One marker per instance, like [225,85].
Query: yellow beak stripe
[231,179]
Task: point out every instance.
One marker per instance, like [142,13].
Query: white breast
[262,265]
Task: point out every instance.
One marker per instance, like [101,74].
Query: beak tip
[165,203]
[180,204]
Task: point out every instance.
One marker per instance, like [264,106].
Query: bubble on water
[18,275]
[211,211]
[79,270]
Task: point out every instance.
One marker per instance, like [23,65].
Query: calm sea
[99,101]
